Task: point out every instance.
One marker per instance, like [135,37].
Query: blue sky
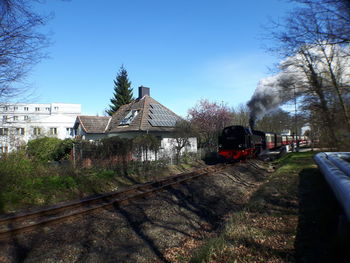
[184,50]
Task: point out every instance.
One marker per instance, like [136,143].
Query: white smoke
[274,91]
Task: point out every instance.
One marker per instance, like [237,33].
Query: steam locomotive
[238,142]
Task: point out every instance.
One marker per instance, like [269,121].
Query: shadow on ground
[139,232]
[317,239]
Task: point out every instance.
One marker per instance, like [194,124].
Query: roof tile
[93,124]
[141,121]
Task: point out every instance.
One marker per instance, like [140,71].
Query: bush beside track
[26,183]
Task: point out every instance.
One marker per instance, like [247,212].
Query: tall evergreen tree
[122,91]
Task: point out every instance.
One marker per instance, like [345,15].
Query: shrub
[115,146]
[49,149]
[63,150]
[104,148]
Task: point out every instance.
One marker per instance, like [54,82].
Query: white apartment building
[21,122]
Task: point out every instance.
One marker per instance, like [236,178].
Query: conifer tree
[122,91]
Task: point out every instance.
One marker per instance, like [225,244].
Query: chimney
[143,91]
[251,122]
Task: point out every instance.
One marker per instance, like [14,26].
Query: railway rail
[19,223]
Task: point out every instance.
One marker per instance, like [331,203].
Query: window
[56,108]
[15,118]
[19,131]
[4,149]
[129,117]
[4,131]
[15,108]
[37,131]
[47,108]
[26,108]
[4,118]
[37,108]
[53,131]
[26,118]
[6,108]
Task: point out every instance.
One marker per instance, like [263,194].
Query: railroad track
[257,166]
[18,223]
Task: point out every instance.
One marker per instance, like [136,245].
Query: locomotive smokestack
[252,122]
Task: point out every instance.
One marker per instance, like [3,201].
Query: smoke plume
[267,96]
[292,81]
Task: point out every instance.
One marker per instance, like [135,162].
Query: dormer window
[129,118]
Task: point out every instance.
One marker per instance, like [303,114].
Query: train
[238,142]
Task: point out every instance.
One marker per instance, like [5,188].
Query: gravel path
[143,230]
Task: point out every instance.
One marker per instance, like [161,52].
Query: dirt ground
[145,230]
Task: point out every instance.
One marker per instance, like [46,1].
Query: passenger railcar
[287,140]
[273,141]
[238,142]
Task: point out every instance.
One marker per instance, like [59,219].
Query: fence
[116,152]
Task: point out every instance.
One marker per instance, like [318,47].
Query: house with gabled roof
[91,127]
[144,115]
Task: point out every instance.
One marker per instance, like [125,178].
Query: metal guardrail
[335,167]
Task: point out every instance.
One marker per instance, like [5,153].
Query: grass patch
[265,230]
[214,247]
[25,183]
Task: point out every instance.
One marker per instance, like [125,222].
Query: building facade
[21,122]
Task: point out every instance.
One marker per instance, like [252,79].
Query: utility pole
[296,120]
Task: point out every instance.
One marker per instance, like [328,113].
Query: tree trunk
[318,89]
[337,90]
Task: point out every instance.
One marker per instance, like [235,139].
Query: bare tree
[334,15]
[307,28]
[336,61]
[183,133]
[280,121]
[241,115]
[314,47]
[21,44]
[210,118]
